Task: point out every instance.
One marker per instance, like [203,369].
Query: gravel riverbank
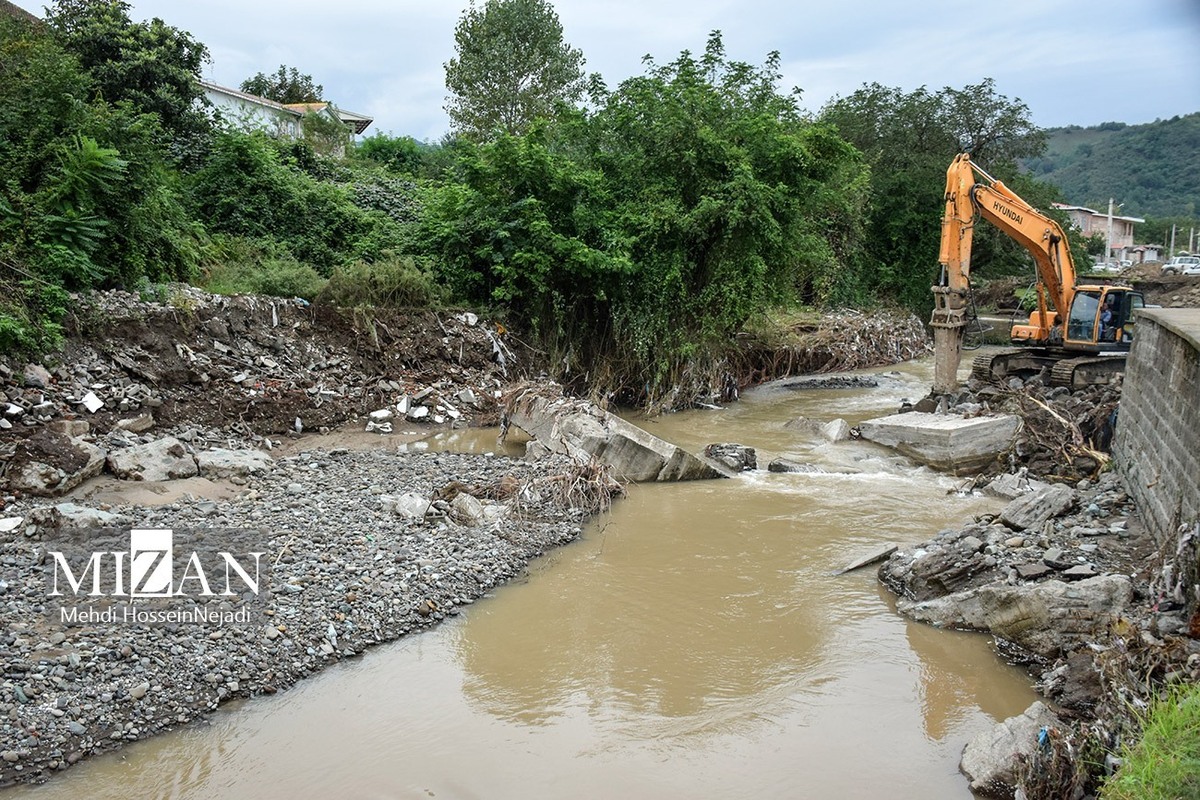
[351,568]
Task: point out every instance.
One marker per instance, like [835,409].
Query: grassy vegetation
[1165,764]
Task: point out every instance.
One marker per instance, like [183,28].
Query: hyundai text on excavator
[1078,334]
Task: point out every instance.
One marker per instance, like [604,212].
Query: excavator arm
[972,193]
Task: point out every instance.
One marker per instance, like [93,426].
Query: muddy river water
[693,644]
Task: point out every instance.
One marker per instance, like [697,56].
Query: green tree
[909,139]
[638,238]
[285,85]
[512,67]
[152,65]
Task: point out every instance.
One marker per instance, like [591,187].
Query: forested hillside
[1153,169]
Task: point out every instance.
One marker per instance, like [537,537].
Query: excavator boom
[971,193]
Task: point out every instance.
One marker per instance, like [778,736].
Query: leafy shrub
[395,282]
[240,265]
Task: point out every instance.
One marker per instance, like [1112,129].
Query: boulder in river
[990,760]
[50,464]
[737,457]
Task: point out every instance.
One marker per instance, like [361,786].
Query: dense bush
[652,228]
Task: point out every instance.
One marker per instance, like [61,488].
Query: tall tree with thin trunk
[512,67]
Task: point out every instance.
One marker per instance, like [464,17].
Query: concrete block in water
[944,441]
[580,429]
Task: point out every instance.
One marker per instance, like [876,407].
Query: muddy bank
[353,564]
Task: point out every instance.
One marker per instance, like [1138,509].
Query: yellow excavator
[1077,335]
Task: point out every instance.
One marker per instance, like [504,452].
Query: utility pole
[1109,253]
[1172,253]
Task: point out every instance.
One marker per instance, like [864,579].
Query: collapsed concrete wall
[1157,447]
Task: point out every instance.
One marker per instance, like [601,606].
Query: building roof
[1094,212]
[7,9]
[253,98]
[358,121]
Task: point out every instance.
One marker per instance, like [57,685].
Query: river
[693,644]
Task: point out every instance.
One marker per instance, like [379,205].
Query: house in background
[1090,222]
[251,112]
[7,9]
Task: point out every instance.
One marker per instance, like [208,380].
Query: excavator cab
[1101,319]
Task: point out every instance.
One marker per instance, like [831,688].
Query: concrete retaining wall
[1157,446]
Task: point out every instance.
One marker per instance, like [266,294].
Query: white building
[251,112]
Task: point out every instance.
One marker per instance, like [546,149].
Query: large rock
[50,464]
[1010,486]
[945,441]
[837,430]
[72,515]
[1047,619]
[1030,511]
[990,759]
[736,457]
[218,463]
[582,430]
[782,464]
[162,460]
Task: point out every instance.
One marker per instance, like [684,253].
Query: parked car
[1182,265]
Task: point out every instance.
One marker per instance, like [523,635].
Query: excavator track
[983,368]
[1058,370]
[1086,371]
[1022,362]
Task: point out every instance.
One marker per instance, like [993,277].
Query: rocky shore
[365,547]
[1070,584]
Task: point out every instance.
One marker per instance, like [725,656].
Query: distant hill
[1153,169]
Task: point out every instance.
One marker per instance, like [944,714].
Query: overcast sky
[1072,62]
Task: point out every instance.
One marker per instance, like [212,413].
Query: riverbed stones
[161,460]
[945,442]
[990,760]
[346,573]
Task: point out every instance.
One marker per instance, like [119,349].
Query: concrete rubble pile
[208,371]
[1052,577]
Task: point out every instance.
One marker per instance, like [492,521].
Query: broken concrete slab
[991,760]
[1030,511]
[162,460]
[582,430]
[945,442]
[869,558]
[72,515]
